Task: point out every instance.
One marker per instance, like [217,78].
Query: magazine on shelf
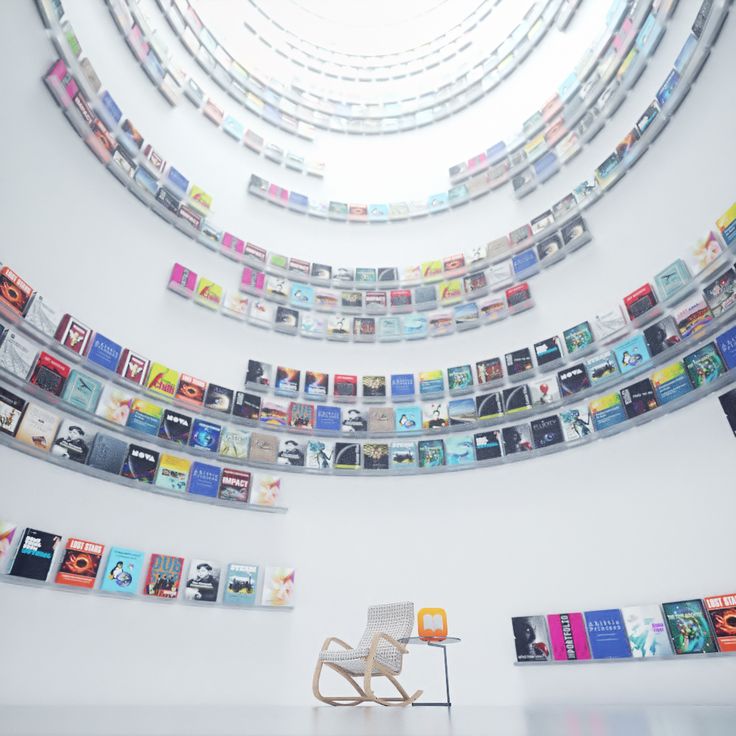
[164,576]
[639,398]
[531,639]
[689,627]
[646,631]
[140,464]
[704,365]
[80,563]
[722,614]
[11,411]
[41,315]
[49,374]
[487,445]
[204,480]
[692,316]
[34,554]
[375,456]
[631,353]
[670,382]
[240,585]
[73,441]
[607,411]
[38,428]
[516,439]
[234,485]
[17,354]
[607,634]
[661,336]
[108,454]
[123,571]
[173,473]
[203,581]
[144,416]
[568,636]
[459,450]
[175,427]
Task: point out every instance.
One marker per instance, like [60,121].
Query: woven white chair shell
[394,619]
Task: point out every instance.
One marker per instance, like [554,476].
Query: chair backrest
[394,619]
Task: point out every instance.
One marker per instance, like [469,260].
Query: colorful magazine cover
[123,571]
[531,639]
[203,581]
[722,612]
[240,585]
[567,636]
[607,634]
[647,631]
[34,555]
[278,586]
[689,629]
[80,563]
[164,576]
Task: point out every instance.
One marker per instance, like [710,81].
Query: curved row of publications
[114,403]
[365,67]
[527,164]
[39,558]
[603,86]
[649,632]
[658,317]
[198,202]
[291,107]
[173,83]
[353,67]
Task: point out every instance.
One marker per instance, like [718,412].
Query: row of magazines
[696,626]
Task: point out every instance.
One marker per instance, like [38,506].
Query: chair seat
[352,660]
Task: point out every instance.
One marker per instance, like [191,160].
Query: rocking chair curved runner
[379,654]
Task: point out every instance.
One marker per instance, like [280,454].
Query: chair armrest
[334,639]
[386,637]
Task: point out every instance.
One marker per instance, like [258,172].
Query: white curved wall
[632,519]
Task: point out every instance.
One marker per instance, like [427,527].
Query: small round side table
[439,645]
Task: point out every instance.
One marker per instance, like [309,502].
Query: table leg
[447,704]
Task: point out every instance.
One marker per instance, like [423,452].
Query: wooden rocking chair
[378,654]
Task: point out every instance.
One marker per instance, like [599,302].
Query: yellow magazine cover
[208,294]
[162,380]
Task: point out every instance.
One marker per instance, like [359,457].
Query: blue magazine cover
[240,586]
[727,347]
[204,480]
[123,571]
[607,634]
[328,418]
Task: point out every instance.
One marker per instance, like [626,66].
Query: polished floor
[367,721]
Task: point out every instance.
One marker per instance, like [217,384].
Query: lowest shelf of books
[42,559]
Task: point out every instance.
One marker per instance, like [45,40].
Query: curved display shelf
[534,162]
[260,302]
[77,567]
[547,131]
[197,226]
[185,206]
[434,47]
[306,106]
[155,61]
[372,67]
[696,323]
[645,633]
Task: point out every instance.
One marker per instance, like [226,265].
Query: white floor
[368,721]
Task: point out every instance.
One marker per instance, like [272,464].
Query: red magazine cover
[73,334]
[80,564]
[133,367]
[191,389]
[164,576]
[722,613]
[14,292]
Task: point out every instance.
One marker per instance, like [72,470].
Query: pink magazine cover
[232,246]
[60,78]
[567,636]
[182,280]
